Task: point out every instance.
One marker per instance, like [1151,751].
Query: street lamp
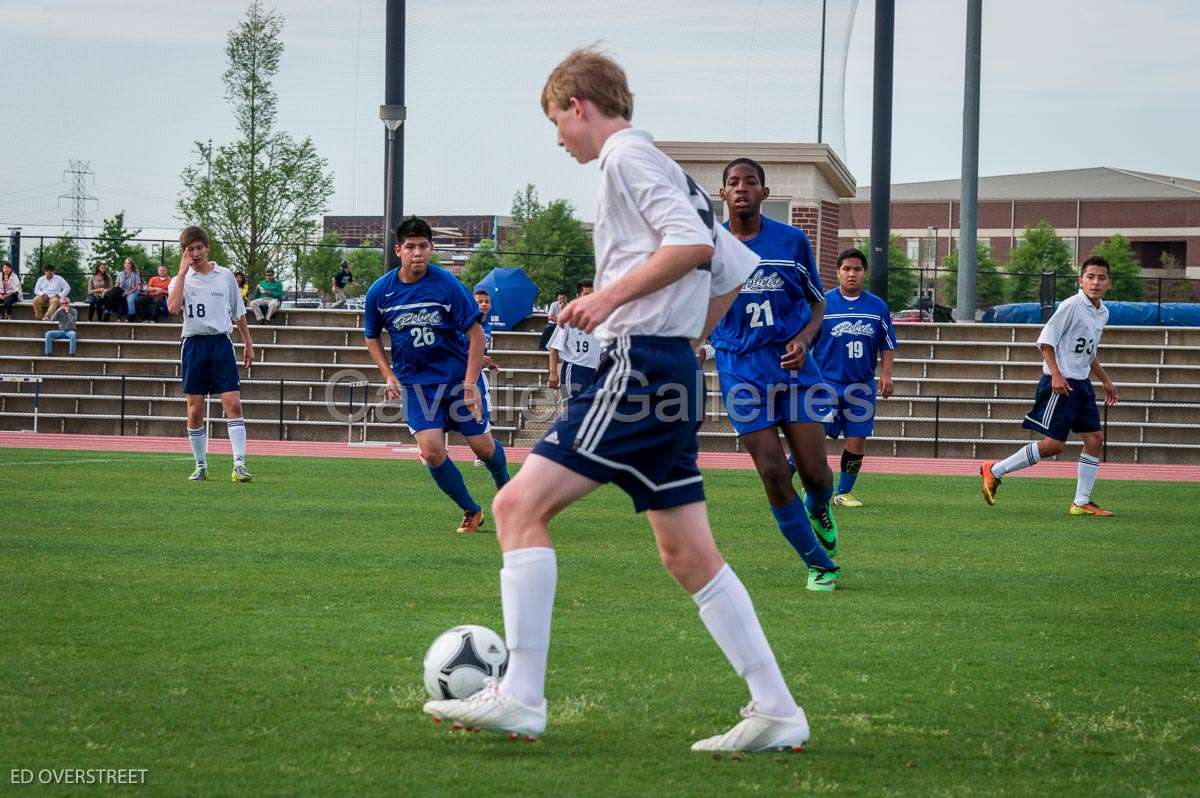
[933,231]
[393,117]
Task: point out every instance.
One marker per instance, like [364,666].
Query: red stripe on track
[731,460]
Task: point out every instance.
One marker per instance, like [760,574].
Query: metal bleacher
[961,389]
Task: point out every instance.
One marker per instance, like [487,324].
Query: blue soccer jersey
[853,334]
[773,305]
[426,322]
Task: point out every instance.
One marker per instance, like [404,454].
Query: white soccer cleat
[492,710]
[759,732]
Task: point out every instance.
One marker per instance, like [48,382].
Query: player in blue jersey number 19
[855,333]
[769,382]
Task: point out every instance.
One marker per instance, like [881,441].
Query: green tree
[1125,268]
[1041,251]
[1174,287]
[367,264]
[112,245]
[902,277]
[67,259]
[480,264]
[989,283]
[550,244]
[319,264]
[266,189]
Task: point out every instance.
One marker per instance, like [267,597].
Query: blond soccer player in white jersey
[1065,401]
[665,273]
[211,303]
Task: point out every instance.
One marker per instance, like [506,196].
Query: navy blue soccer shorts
[1057,416]
[441,406]
[636,424]
[574,379]
[759,394]
[208,365]
[853,410]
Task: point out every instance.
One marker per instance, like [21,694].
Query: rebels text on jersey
[426,322]
[1074,332]
[853,334]
[211,302]
[773,305]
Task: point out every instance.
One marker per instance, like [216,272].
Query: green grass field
[267,638]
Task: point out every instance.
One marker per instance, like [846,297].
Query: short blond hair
[589,75]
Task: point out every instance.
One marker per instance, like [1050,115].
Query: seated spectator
[551,322]
[97,295]
[154,300]
[10,290]
[65,316]
[131,285]
[341,281]
[268,295]
[243,286]
[49,290]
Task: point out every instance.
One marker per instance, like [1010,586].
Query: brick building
[1158,213]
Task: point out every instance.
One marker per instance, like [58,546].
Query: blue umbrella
[512,295]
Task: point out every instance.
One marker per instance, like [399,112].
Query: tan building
[1158,213]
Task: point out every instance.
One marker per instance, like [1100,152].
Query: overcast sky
[130,85]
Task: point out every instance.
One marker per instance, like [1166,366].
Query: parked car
[912,316]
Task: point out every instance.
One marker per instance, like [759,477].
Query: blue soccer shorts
[208,365]
[574,379]
[1057,416]
[853,410]
[636,424]
[760,394]
[441,406]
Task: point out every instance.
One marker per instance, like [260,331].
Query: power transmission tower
[79,171]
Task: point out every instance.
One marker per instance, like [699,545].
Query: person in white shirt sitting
[48,292]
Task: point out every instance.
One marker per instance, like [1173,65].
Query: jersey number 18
[198,311]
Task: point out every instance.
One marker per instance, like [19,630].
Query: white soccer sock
[1088,470]
[729,615]
[198,438]
[236,427]
[527,583]
[1024,457]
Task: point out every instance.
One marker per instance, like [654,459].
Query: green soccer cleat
[822,581]
[199,475]
[825,528]
[846,500]
[240,474]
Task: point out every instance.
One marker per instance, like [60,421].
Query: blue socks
[498,465]
[793,523]
[815,503]
[449,479]
[851,465]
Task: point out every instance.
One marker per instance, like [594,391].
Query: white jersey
[1074,332]
[576,346]
[211,302]
[646,202]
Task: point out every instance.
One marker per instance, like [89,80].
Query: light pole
[933,231]
[393,117]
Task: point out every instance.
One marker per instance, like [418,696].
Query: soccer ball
[461,658]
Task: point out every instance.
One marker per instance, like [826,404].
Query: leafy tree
[989,282]
[318,265]
[1125,268]
[480,264]
[112,245]
[66,257]
[266,189]
[550,244]
[902,277]
[1174,287]
[1041,251]
[367,264]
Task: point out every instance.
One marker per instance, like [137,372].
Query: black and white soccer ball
[461,658]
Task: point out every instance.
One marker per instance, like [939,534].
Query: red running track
[732,460]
